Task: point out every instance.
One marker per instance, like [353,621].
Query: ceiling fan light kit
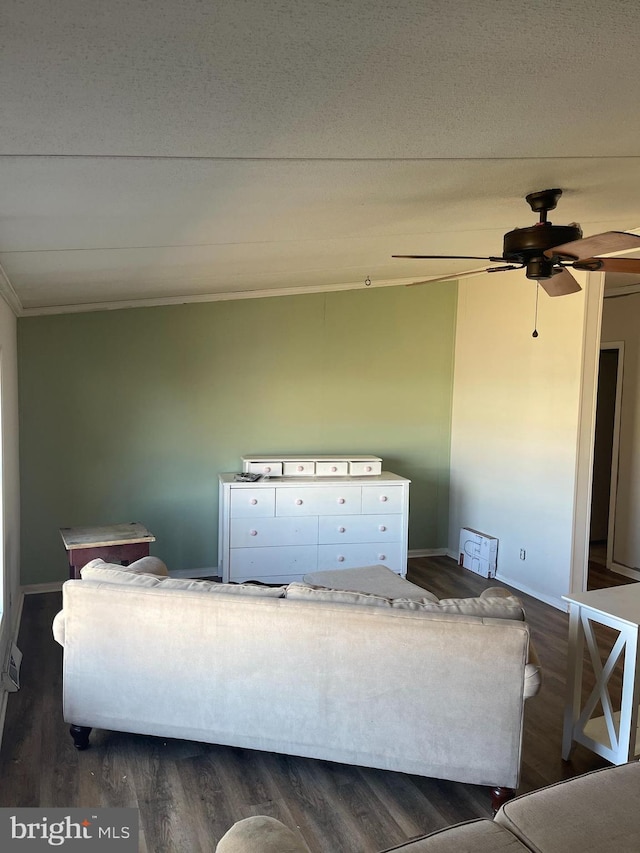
[545,251]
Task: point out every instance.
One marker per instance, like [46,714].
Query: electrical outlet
[523,554]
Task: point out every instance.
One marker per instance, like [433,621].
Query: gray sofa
[594,813]
[331,674]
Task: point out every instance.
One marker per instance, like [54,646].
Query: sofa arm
[260,834]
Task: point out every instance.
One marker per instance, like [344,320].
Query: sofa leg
[499,796]
[80,735]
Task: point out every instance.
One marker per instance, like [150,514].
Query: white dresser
[278,529]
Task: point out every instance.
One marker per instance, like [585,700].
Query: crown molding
[8,293]
[206,297]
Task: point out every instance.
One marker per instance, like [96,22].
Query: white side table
[614,734]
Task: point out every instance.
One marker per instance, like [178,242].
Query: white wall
[10,474]
[621,322]
[515,426]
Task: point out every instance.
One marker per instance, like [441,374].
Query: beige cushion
[149,565]
[58,628]
[98,570]
[225,588]
[592,813]
[499,607]
[145,565]
[308,592]
[261,834]
[532,673]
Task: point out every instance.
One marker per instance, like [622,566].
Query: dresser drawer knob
[299,502]
[300,468]
[340,559]
[333,469]
[382,528]
[383,498]
[382,556]
[367,467]
[253,532]
[253,501]
[341,529]
[340,500]
[267,469]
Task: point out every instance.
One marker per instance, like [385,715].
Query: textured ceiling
[171,150]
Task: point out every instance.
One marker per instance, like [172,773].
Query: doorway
[605,468]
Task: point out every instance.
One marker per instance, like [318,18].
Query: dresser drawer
[382,499]
[299,469]
[357,469]
[366,554]
[250,503]
[264,532]
[360,528]
[315,500]
[271,469]
[332,469]
[246,563]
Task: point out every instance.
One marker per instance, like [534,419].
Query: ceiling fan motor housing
[526,246]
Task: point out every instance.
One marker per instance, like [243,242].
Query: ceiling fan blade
[628,265]
[453,277]
[561,284]
[451,257]
[598,244]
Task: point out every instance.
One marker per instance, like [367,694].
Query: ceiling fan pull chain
[535,320]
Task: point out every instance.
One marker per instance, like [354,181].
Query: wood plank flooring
[189,794]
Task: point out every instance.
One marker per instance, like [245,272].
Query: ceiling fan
[546,251]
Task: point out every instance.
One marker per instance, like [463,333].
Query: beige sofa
[342,676]
[593,813]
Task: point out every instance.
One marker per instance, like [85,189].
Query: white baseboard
[634,574]
[558,603]
[36,588]
[427,552]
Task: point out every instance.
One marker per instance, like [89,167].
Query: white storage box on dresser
[278,529]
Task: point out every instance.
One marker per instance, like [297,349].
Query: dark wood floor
[189,794]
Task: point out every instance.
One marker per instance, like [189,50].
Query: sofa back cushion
[494,607]
[224,588]
[137,574]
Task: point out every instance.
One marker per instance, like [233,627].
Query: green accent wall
[130,415]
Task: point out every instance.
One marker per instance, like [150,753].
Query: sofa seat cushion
[479,836]
[588,814]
